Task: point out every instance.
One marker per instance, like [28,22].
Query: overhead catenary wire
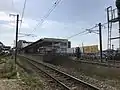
[84,34]
[88,30]
[21,21]
[47,14]
[23,11]
[26,34]
[44,17]
[76,34]
[50,11]
[80,33]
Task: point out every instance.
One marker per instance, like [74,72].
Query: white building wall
[25,44]
[70,50]
[61,47]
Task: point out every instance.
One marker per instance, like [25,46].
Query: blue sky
[68,18]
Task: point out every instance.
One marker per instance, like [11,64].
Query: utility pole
[16,48]
[100,39]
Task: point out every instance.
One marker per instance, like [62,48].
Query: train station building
[48,45]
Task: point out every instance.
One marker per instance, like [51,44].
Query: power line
[76,34]
[98,26]
[48,14]
[23,35]
[44,17]
[84,33]
[88,30]
[23,11]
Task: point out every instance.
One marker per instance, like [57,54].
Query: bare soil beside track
[24,81]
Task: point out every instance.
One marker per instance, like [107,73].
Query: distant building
[71,50]
[48,45]
[23,43]
[89,49]
[1,46]
[4,48]
[58,45]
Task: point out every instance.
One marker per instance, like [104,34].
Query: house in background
[23,43]
[4,48]
[1,46]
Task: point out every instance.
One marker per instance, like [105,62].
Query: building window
[63,44]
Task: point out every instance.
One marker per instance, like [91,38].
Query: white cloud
[48,29]
[62,28]
[7,35]
[7,27]
[4,16]
[25,25]
[28,23]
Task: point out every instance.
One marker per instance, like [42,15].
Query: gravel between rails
[48,83]
[102,85]
[98,83]
[83,77]
[70,82]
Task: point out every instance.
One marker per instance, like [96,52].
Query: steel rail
[50,76]
[92,87]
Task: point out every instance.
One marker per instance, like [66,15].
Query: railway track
[67,81]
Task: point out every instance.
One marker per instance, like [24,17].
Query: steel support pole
[16,48]
[100,39]
[108,18]
[119,26]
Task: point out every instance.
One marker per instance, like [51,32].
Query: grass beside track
[25,81]
[30,82]
[30,79]
[7,68]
